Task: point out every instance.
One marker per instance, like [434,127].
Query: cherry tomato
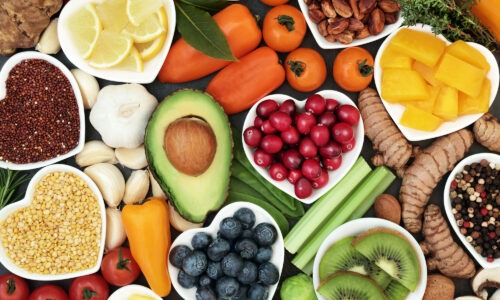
[273,2]
[13,287]
[305,69]
[284,28]
[49,291]
[353,69]
[89,287]
[119,268]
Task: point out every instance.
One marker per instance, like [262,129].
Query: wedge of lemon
[139,10]
[147,31]
[150,49]
[133,62]
[85,28]
[110,50]
[113,14]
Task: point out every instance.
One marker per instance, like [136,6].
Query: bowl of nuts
[57,231]
[472,204]
[339,24]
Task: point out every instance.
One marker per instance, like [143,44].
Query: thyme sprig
[9,182]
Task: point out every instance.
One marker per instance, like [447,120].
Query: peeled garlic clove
[109,180]
[137,187]
[49,41]
[178,222]
[89,87]
[155,187]
[94,152]
[132,158]
[115,231]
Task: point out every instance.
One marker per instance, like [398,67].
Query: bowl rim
[132,289]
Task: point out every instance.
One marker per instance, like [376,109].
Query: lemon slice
[113,14]
[149,30]
[139,10]
[111,49]
[85,28]
[162,17]
[150,49]
[133,62]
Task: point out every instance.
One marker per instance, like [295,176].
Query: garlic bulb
[134,158]
[115,231]
[94,152]
[89,87]
[109,180]
[137,187]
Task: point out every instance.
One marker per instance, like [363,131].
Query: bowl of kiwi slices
[370,258]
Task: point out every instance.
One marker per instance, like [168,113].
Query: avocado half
[194,196]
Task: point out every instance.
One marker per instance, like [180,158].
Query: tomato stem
[122,263]
[297,67]
[365,69]
[286,21]
[87,294]
[11,286]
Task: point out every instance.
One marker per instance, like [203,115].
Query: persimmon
[274,2]
[353,69]
[305,69]
[284,28]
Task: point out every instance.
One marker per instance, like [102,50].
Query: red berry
[348,113]
[346,147]
[290,136]
[303,188]
[293,176]
[252,136]
[342,132]
[257,122]
[321,181]
[266,108]
[331,149]
[267,127]
[278,172]
[280,120]
[304,123]
[288,107]
[332,164]
[261,158]
[320,135]
[327,119]
[331,104]
[308,148]
[292,159]
[315,104]
[271,144]
[311,169]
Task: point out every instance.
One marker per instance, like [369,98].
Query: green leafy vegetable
[9,182]
[207,5]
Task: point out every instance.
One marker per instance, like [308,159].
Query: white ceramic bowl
[348,159]
[133,289]
[396,110]
[4,73]
[11,208]
[151,67]
[323,43]
[356,227]
[228,211]
[476,158]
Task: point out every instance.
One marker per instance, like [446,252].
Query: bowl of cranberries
[303,147]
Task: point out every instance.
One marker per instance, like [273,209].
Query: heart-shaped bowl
[133,289]
[228,211]
[356,227]
[396,110]
[476,158]
[4,74]
[151,67]
[7,262]
[348,159]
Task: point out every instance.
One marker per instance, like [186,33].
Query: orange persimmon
[353,69]
[284,28]
[305,69]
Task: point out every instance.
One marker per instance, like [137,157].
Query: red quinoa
[39,117]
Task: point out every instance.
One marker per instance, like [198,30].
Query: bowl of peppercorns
[472,204]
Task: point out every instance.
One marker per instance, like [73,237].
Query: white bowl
[133,289]
[228,211]
[11,208]
[396,110]
[356,227]
[4,73]
[348,159]
[323,43]
[476,158]
[151,67]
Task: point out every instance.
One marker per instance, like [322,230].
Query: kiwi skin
[376,230]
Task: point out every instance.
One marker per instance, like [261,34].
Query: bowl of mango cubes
[432,87]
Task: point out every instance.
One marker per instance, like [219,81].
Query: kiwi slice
[350,285]
[390,251]
[396,291]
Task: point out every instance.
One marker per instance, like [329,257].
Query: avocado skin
[192,196]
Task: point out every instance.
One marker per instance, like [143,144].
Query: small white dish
[476,158]
[396,110]
[356,227]
[228,211]
[125,292]
[4,74]
[151,67]
[11,208]
[348,159]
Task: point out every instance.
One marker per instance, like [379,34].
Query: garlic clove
[109,180]
[94,152]
[178,222]
[89,87]
[49,41]
[155,187]
[115,231]
[132,158]
[136,187]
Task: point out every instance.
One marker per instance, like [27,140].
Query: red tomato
[284,28]
[89,287]
[49,291]
[353,69]
[119,268]
[13,287]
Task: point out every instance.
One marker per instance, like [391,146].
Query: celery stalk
[323,208]
[371,187]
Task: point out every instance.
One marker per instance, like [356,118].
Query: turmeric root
[487,132]
[422,176]
[445,255]
[393,150]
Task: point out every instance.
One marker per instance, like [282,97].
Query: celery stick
[322,209]
[372,186]
[308,269]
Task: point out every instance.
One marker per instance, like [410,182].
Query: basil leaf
[201,32]
[211,6]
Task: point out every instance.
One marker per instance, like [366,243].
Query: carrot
[239,85]
[488,13]
[184,63]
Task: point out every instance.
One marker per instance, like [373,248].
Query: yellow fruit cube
[392,58]
[422,46]
[426,72]
[467,53]
[446,105]
[401,85]
[428,104]
[460,75]
[478,105]
[416,118]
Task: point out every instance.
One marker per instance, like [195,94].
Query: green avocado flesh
[349,285]
[193,196]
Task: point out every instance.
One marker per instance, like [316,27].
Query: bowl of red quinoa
[58,230]
[472,205]
[41,112]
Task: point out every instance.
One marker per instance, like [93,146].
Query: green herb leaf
[9,182]
[211,6]
[201,32]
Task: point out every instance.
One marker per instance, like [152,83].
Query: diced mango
[401,85]
[467,53]
[416,118]
[446,105]
[426,72]
[480,104]
[460,75]
[392,58]
[422,46]
[428,104]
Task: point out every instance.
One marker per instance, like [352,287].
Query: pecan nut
[322,28]
[330,38]
[388,6]
[345,37]
[314,5]
[342,8]
[307,2]
[355,24]
[316,15]
[366,6]
[328,9]
[338,26]
[363,33]
[391,18]
[355,9]
[376,21]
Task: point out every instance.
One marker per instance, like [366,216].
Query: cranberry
[292,159]
[303,188]
[252,136]
[257,122]
[307,147]
[348,113]
[327,118]
[278,172]
[342,132]
[267,127]
[332,164]
[288,107]
[271,144]
[321,181]
[290,136]
[331,149]
[311,169]
[315,104]
[293,176]
[305,121]
[261,158]
[280,120]
[320,135]
[331,104]
[266,108]
[346,147]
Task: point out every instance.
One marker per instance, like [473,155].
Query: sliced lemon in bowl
[133,62]
[147,31]
[113,14]
[140,10]
[111,49]
[150,49]
[161,14]
[85,28]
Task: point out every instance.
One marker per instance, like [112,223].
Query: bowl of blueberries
[239,256]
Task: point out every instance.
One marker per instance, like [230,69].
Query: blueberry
[227,287]
[204,280]
[268,274]
[246,217]
[205,293]
[201,240]
[242,294]
[248,274]
[263,254]
[217,249]
[257,292]
[177,255]
[185,280]
[265,234]
[214,270]
[246,248]
[232,264]
[230,228]
[195,263]
[246,234]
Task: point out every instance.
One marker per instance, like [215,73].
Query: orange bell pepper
[148,232]
[488,13]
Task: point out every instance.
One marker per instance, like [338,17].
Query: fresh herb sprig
[9,182]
